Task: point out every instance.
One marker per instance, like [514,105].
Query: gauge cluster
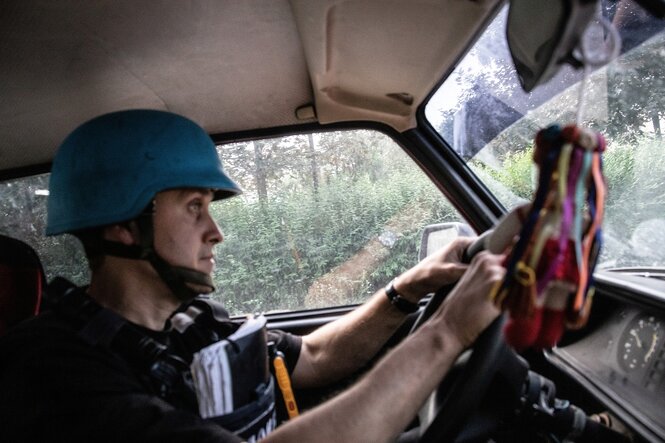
[640,351]
[625,359]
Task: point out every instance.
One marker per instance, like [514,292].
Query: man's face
[184,230]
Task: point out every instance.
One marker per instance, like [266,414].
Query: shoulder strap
[96,325]
[198,324]
[99,326]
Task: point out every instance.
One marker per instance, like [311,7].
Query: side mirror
[437,236]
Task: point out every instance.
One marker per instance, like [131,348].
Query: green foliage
[636,90]
[635,173]
[634,169]
[273,251]
[23,216]
[619,169]
[515,172]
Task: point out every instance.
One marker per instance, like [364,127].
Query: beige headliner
[230,65]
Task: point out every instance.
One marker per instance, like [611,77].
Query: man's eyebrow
[187,192]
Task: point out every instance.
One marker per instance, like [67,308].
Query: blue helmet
[110,168]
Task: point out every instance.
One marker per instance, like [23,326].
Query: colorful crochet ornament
[554,241]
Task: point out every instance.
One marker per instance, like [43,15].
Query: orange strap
[284,383]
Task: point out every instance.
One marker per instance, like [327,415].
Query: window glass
[23,216]
[482,112]
[325,219]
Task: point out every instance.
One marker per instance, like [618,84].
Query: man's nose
[215,234]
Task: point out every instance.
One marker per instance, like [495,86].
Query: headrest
[22,280]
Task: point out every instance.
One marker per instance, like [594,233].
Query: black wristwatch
[398,301]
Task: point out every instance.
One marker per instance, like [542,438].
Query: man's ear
[125,233]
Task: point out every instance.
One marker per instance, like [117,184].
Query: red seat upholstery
[22,281]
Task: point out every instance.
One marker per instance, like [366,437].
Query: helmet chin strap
[185,283]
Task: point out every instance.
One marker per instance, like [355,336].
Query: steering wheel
[461,391]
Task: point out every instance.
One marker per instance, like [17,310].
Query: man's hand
[468,310]
[435,271]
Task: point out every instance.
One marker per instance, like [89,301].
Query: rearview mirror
[437,236]
[542,35]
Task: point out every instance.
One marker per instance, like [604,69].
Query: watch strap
[398,301]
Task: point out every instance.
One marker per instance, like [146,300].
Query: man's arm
[385,401]
[339,348]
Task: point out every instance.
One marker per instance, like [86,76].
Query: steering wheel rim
[442,416]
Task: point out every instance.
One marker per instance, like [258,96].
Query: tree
[631,107]
[313,164]
[260,170]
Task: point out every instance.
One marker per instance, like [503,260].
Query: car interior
[440,97]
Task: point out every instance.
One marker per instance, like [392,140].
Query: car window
[23,216]
[325,219]
[482,112]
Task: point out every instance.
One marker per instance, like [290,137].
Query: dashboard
[624,358]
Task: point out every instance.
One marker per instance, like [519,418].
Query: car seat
[22,281]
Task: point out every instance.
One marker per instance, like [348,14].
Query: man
[136,187]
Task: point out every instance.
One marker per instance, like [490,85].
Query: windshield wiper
[641,271]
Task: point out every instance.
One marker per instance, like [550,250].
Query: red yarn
[521,333]
[551,329]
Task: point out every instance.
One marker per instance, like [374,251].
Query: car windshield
[482,112]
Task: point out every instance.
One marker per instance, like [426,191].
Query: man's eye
[195,206]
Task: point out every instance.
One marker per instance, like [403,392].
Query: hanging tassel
[553,242]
